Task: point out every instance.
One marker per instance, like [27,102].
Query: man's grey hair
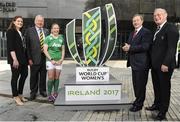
[162,10]
[38,16]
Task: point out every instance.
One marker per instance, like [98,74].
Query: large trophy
[92,85]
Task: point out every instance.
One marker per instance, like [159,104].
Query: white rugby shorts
[50,66]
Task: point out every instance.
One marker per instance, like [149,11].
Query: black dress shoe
[44,94]
[135,108]
[161,116]
[32,97]
[152,108]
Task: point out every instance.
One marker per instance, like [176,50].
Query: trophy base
[65,102]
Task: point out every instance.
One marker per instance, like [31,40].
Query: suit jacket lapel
[164,26]
[130,37]
[45,32]
[160,31]
[19,37]
[137,35]
[35,33]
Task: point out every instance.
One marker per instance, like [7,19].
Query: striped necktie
[157,30]
[41,38]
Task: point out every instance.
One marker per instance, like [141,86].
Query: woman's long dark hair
[11,25]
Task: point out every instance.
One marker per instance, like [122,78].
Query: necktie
[135,33]
[41,38]
[157,30]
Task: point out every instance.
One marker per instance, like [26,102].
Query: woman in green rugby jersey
[54,50]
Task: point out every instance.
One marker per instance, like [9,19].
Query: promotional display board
[93,92]
[92,74]
[93,84]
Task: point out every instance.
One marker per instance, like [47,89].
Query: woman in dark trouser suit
[17,58]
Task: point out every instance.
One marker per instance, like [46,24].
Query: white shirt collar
[162,24]
[137,30]
[38,29]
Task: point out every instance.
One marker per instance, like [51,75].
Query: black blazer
[164,46]
[15,43]
[33,45]
[138,55]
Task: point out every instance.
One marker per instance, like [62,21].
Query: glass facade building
[63,11]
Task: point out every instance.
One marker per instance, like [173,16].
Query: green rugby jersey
[54,46]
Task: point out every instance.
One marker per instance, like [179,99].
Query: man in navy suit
[138,46]
[163,61]
[36,57]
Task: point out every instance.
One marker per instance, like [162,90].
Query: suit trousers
[162,86]
[17,84]
[178,62]
[38,76]
[139,78]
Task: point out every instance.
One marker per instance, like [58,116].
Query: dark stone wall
[69,9]
[125,9]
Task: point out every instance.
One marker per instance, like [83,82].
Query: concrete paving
[41,110]
[33,110]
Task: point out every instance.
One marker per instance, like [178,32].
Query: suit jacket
[164,46]
[138,55]
[33,45]
[15,43]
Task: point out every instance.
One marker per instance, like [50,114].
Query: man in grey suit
[36,57]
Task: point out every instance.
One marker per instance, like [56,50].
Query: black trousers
[18,79]
[38,78]
[139,78]
[178,62]
[162,88]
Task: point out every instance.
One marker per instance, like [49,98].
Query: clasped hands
[56,62]
[126,47]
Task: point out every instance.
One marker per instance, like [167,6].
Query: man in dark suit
[163,61]
[36,57]
[138,46]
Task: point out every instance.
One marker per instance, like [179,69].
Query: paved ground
[42,110]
